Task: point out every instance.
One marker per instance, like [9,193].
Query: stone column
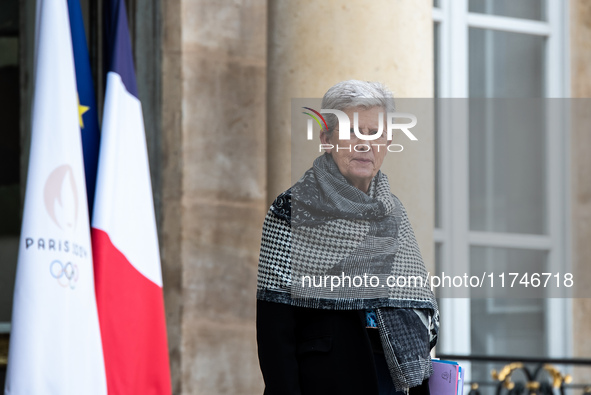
[214,190]
[223,132]
[315,44]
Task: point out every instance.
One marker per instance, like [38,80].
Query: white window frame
[454,235]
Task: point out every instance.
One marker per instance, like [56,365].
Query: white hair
[355,93]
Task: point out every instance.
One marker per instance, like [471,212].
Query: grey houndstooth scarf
[328,245]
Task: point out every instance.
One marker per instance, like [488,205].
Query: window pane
[498,260]
[507,174]
[512,334]
[508,326]
[515,327]
[507,143]
[504,64]
[526,9]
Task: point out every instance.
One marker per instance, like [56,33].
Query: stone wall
[580,37]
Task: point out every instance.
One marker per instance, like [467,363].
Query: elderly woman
[330,317]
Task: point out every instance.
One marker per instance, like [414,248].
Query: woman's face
[359,168]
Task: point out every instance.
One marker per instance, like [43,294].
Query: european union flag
[87,110]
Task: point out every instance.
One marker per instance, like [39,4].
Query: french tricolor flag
[128,278]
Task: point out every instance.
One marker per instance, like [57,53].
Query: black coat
[308,351]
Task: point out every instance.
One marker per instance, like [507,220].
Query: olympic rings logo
[66,275]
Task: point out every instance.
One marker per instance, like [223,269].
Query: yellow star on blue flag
[81,110]
[87,114]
